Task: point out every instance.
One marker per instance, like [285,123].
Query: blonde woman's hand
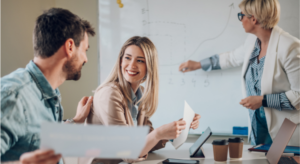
[83,109]
[171,130]
[195,123]
[189,65]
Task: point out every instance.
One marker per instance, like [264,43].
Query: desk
[183,153]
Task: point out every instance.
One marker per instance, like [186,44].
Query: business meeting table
[182,152]
[169,151]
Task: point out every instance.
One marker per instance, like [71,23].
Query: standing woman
[270,72]
[120,100]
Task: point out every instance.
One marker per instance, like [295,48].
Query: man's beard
[73,72]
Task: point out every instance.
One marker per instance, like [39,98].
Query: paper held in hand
[75,140]
[188,117]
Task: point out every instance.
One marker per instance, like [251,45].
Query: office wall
[73,91]
[17,23]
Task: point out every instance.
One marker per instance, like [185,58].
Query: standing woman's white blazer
[281,74]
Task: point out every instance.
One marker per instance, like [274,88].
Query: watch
[70,121]
[264,101]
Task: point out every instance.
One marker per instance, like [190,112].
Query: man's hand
[252,102]
[83,109]
[189,66]
[40,157]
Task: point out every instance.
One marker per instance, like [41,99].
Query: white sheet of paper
[75,140]
[188,117]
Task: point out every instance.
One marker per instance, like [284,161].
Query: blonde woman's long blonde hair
[149,100]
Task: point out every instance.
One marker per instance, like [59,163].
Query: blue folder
[266,147]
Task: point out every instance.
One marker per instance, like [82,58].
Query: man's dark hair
[54,27]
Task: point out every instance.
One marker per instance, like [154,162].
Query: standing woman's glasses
[240,16]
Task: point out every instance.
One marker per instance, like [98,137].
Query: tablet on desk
[195,150]
[180,161]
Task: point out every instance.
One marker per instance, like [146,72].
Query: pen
[183,69]
[257,146]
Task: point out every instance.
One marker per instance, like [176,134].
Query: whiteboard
[183,30]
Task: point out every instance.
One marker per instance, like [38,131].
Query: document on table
[188,117]
[74,140]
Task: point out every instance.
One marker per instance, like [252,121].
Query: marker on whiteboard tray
[236,130]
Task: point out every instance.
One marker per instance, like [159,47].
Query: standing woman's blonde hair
[149,100]
[267,12]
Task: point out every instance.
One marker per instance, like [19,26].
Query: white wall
[17,23]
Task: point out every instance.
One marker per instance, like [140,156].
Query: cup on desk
[220,148]
[235,147]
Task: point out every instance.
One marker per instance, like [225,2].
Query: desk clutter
[265,148]
[220,147]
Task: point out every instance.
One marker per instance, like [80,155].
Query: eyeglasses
[240,16]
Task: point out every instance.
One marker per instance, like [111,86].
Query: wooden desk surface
[183,153]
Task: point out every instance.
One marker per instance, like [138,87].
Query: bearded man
[30,95]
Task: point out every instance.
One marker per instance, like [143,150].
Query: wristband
[264,101]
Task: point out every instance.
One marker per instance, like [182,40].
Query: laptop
[279,143]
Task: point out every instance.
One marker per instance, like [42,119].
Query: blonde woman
[270,72]
[120,100]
